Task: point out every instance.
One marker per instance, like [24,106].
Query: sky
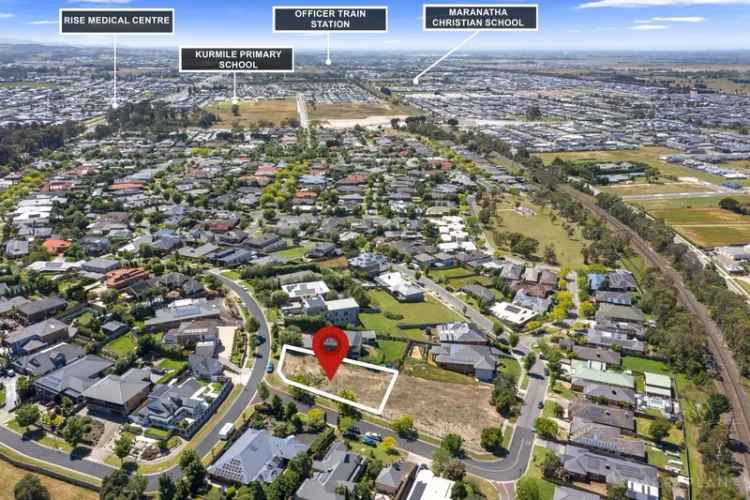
[563,25]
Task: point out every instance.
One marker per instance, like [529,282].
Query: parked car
[374,435]
[269,367]
[369,441]
[540,405]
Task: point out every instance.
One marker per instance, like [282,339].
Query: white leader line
[334,397]
[416,78]
[114,71]
[328,49]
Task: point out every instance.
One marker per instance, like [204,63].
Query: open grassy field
[542,228]
[646,189]
[59,490]
[353,110]
[688,202]
[429,311]
[250,112]
[649,155]
[707,227]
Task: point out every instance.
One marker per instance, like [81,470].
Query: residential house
[394,479]
[122,278]
[371,264]
[37,310]
[184,310]
[606,439]
[38,336]
[398,286]
[118,395]
[50,359]
[514,315]
[428,486]
[463,349]
[641,480]
[339,468]
[342,312]
[256,455]
[606,415]
[598,355]
[620,314]
[72,380]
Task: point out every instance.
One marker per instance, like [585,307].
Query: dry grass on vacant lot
[58,490]
[251,112]
[437,407]
[353,110]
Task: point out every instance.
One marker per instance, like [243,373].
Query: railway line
[729,375]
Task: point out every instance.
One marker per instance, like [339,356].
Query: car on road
[269,367]
[374,435]
[369,441]
[540,405]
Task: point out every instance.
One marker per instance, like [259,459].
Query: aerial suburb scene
[386,250]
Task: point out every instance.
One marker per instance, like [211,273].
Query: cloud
[44,22]
[679,19]
[649,27]
[656,3]
[6,15]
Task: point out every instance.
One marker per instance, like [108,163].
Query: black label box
[332,18]
[222,59]
[116,22]
[480,17]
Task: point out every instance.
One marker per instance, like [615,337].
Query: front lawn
[546,488]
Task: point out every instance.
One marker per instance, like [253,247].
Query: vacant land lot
[649,155]
[707,227]
[59,490]
[542,228]
[252,112]
[429,311]
[437,406]
[640,189]
[689,201]
[353,110]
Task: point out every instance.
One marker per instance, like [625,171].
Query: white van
[226,431]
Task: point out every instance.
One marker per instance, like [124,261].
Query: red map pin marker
[330,345]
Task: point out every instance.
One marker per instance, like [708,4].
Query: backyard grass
[121,346]
[387,352]
[292,253]
[542,228]
[546,488]
[429,311]
[419,369]
[692,398]
[251,112]
[642,426]
[375,452]
[636,265]
[657,457]
[563,390]
[645,365]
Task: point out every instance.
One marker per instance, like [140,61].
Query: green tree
[492,439]
[529,360]
[404,427]
[123,445]
[527,489]
[617,491]
[659,429]
[193,471]
[453,444]
[546,427]
[30,488]
[167,487]
[263,392]
[27,415]
[74,430]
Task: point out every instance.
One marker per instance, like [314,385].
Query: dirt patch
[437,407]
[275,111]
